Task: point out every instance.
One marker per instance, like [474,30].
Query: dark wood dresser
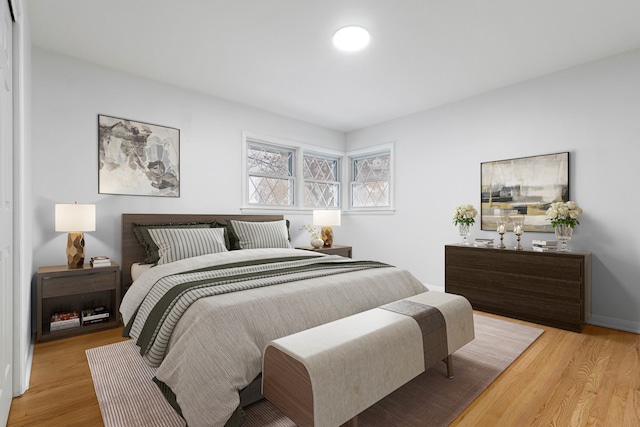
[550,288]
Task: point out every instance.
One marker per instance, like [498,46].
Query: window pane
[371,181]
[320,169]
[371,194]
[269,161]
[270,191]
[321,186]
[321,194]
[373,168]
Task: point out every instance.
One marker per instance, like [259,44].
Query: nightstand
[61,289]
[344,251]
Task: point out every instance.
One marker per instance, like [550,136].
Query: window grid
[321,181]
[370,187]
[271,177]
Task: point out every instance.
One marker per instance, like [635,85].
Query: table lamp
[326,219]
[75,219]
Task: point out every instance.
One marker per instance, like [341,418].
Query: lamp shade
[75,217]
[326,217]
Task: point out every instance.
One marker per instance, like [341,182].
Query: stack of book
[484,242]
[95,315]
[544,245]
[100,261]
[64,320]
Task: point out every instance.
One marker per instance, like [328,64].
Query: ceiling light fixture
[351,38]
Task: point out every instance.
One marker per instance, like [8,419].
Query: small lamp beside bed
[327,218]
[75,219]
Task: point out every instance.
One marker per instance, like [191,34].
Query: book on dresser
[544,245]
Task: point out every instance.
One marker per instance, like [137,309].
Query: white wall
[592,111]
[68,95]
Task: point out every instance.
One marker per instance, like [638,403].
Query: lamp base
[327,236]
[75,250]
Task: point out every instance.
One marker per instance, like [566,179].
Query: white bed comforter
[216,347]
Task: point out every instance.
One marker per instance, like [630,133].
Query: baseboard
[23,379]
[614,323]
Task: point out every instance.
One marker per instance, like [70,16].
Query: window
[371,173]
[286,174]
[321,181]
[281,174]
[271,178]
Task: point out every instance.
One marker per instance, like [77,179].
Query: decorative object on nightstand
[518,229]
[463,217]
[327,218]
[316,241]
[75,219]
[100,261]
[564,218]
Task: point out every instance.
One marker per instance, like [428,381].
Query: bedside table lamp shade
[75,219]
[326,219]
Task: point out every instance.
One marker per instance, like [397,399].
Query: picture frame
[137,158]
[522,189]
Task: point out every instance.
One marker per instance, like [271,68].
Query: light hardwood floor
[563,379]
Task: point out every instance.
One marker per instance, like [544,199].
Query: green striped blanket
[155,318]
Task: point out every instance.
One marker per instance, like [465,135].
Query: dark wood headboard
[132,250]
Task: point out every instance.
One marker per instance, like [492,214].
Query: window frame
[364,153]
[299,151]
[338,182]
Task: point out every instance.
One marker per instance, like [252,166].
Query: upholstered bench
[327,375]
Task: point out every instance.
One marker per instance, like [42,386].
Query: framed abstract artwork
[138,159]
[522,189]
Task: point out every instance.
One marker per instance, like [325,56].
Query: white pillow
[179,243]
[256,235]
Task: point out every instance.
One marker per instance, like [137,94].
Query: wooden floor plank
[563,379]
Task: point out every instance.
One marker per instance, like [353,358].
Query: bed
[208,350]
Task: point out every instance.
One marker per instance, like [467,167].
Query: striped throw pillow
[179,243]
[256,235]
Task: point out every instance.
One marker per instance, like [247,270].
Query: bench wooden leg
[449,361]
[353,422]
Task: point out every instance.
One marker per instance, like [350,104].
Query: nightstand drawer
[68,285]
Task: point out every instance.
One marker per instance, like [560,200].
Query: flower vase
[465,230]
[316,242]
[563,234]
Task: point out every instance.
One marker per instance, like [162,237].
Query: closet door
[6,211]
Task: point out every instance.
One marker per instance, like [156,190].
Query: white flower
[464,214]
[312,230]
[564,213]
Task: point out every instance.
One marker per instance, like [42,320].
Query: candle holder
[502,228]
[518,229]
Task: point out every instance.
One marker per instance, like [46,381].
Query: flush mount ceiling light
[351,38]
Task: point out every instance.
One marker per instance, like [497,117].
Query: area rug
[128,397]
